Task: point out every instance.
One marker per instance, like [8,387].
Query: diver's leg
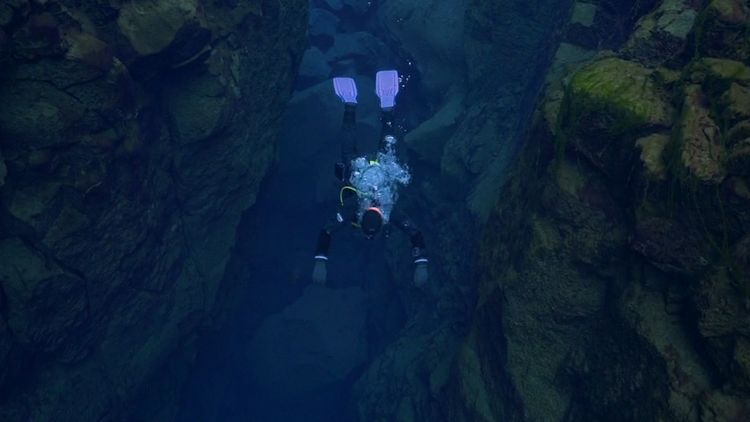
[418,249]
[347,135]
[386,87]
[387,130]
[346,90]
[320,268]
[387,125]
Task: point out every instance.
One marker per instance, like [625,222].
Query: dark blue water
[242,375]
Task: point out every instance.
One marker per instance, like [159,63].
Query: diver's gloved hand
[420,274]
[320,272]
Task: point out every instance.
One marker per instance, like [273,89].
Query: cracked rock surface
[133,135]
[613,270]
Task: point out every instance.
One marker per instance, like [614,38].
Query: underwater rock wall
[133,135]
[614,270]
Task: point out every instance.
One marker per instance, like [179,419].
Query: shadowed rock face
[132,137]
[614,280]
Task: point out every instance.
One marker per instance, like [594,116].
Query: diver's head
[372,221]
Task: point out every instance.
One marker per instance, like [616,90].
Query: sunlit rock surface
[133,135]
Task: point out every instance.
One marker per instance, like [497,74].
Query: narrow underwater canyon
[580,173]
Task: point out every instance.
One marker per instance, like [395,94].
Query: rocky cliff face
[614,271]
[133,134]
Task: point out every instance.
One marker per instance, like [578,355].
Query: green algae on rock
[607,105]
[622,91]
[719,72]
[736,104]
[152,25]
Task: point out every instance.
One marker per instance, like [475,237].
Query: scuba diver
[369,183]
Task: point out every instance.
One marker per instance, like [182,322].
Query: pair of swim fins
[386,86]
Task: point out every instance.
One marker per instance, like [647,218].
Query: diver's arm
[348,133]
[324,238]
[320,269]
[418,250]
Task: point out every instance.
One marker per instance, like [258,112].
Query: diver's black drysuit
[347,212]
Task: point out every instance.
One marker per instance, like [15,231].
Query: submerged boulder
[607,104]
[652,155]
[151,26]
[720,71]
[322,27]
[313,68]
[361,50]
[723,32]
[433,33]
[738,158]
[736,103]
[314,342]
[670,246]
[47,306]
[662,34]
[623,91]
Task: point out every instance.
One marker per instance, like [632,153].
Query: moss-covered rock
[716,76]
[151,26]
[623,91]
[670,246]
[736,104]
[195,112]
[662,34]
[723,31]
[702,151]
[738,158]
[37,114]
[652,155]
[723,406]
[608,104]
[722,318]
[683,219]
[738,132]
